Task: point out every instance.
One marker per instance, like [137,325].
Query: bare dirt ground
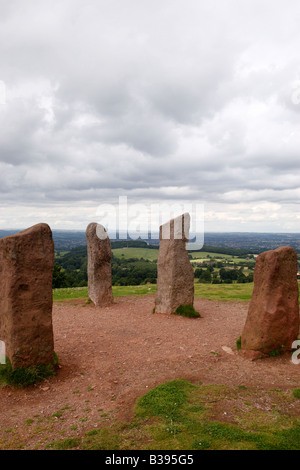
[110,356]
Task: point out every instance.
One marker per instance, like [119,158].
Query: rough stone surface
[99,265]
[26,267]
[175,274]
[273,316]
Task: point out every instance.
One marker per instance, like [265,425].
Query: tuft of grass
[274,353]
[22,377]
[239,343]
[296,393]
[187,311]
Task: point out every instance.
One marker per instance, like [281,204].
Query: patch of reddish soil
[110,356]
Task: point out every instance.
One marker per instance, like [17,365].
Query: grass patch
[101,439]
[70,293]
[66,444]
[22,378]
[179,415]
[225,292]
[187,311]
[190,417]
[239,343]
[296,393]
[120,291]
[165,400]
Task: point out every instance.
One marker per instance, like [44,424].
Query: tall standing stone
[26,268]
[99,265]
[273,316]
[175,274]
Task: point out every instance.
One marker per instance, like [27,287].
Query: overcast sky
[157,100]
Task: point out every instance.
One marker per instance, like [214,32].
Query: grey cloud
[137,97]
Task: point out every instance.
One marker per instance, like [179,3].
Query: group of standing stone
[26,266]
[175,280]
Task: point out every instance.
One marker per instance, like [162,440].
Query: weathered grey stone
[175,274]
[273,316]
[26,267]
[99,265]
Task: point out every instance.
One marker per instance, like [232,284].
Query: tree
[205,277]
[59,277]
[198,272]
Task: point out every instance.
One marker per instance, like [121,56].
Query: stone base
[251,355]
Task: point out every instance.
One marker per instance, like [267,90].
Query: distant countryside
[134,271]
[136,264]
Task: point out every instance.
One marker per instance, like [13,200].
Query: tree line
[70,269]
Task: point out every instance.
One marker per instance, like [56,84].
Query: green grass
[61,254]
[222,292]
[22,378]
[138,253]
[66,444]
[296,393]
[204,254]
[225,292]
[76,293]
[70,293]
[179,415]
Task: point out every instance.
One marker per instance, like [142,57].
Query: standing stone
[99,265]
[175,274]
[273,316]
[26,267]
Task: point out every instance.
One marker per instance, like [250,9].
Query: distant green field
[139,253]
[152,255]
[205,254]
[199,256]
[60,254]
